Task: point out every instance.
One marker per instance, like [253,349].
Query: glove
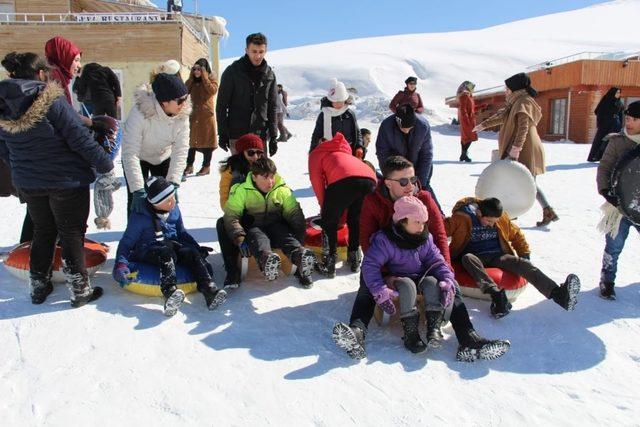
[514,152]
[359,153]
[384,299]
[447,292]
[121,273]
[223,142]
[273,146]
[139,201]
[526,256]
[609,198]
[204,251]
[175,192]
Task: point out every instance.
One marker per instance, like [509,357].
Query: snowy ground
[266,358]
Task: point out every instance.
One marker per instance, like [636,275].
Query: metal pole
[196,1]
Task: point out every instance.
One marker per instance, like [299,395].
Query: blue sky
[289,23]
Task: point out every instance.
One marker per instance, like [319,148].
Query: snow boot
[173,299]
[500,305]
[463,153]
[81,290]
[273,148]
[566,296]
[411,338]
[354,259]
[304,260]
[607,291]
[205,170]
[474,347]
[39,288]
[548,215]
[232,281]
[270,265]
[350,339]
[434,331]
[328,266]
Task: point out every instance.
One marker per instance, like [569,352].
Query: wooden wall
[192,49]
[587,72]
[42,6]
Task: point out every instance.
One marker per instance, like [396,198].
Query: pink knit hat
[409,207]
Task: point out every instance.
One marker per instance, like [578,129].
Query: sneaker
[607,291]
[476,348]
[214,297]
[500,305]
[173,302]
[270,265]
[304,260]
[350,339]
[566,296]
[232,281]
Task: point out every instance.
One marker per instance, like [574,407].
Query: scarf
[329,113]
[60,53]
[399,236]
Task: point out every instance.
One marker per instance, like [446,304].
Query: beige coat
[204,132]
[518,121]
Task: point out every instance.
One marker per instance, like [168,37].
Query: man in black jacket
[247,99]
[99,86]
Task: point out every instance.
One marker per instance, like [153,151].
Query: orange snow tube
[17,261]
[313,238]
[512,284]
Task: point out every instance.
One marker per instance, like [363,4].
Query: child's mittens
[121,273]
[384,299]
[447,292]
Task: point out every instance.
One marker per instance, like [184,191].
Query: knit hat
[249,141]
[167,87]
[337,91]
[406,116]
[409,207]
[170,67]
[520,81]
[411,79]
[633,110]
[159,189]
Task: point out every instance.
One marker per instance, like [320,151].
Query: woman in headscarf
[518,138]
[64,58]
[608,120]
[466,118]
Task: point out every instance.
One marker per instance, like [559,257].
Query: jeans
[612,251]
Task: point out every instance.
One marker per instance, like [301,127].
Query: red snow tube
[313,239]
[17,261]
[512,284]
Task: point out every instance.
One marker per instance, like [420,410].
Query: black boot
[40,287]
[411,338]
[354,259]
[463,153]
[474,347]
[232,281]
[351,339]
[566,296]
[213,297]
[304,260]
[434,325]
[500,305]
[328,266]
[607,290]
[81,290]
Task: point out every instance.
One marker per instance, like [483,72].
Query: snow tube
[17,262]
[145,280]
[512,284]
[625,182]
[511,183]
[313,239]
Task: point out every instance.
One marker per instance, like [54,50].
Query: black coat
[346,124]
[98,85]
[43,139]
[247,105]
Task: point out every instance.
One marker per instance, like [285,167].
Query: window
[558,116]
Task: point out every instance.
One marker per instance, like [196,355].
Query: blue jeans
[612,251]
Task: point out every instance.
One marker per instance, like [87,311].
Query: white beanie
[170,67]
[337,91]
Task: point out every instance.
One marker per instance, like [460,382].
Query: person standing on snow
[466,118]
[248,98]
[281,112]
[408,96]
[608,119]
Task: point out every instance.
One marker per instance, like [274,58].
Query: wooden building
[569,89]
[129,38]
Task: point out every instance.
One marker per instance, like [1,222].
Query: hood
[146,102]
[463,202]
[23,103]
[337,144]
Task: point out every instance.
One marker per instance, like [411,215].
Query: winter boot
[232,281]
[205,170]
[39,288]
[463,153]
[566,296]
[270,265]
[500,305]
[81,290]
[434,325]
[607,290]
[548,215]
[173,299]
[304,260]
[282,138]
[213,296]
[328,266]
[351,339]
[354,259]
[187,171]
[289,135]
[474,347]
[411,338]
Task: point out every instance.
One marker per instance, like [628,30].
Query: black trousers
[57,212]
[346,194]
[27,228]
[364,306]
[230,251]
[167,256]
[105,108]
[277,235]
[207,153]
[147,170]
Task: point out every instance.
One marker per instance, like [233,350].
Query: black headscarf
[609,105]
[521,81]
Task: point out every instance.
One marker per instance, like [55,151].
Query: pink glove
[384,299]
[447,292]
[514,152]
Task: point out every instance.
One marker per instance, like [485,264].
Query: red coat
[377,211]
[407,97]
[332,161]
[467,118]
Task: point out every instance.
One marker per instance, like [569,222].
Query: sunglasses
[252,153]
[405,181]
[196,68]
[182,100]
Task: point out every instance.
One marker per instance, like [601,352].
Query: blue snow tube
[145,280]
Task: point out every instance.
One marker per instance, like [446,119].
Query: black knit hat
[520,81]
[406,116]
[167,87]
[159,189]
[411,80]
[633,110]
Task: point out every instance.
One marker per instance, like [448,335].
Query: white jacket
[150,135]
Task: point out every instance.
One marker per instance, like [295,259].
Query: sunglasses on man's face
[182,100]
[405,181]
[252,153]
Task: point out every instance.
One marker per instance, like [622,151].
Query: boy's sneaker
[566,296]
[304,260]
[270,265]
[607,291]
[474,347]
[351,339]
[354,259]
[173,302]
[232,281]
[500,305]
[214,297]
[39,289]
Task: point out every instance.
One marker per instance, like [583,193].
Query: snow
[266,356]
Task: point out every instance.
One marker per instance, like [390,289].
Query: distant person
[609,115]
[281,112]
[174,6]
[408,96]
[99,87]
[466,118]
[248,98]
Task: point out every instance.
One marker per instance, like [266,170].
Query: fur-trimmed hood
[24,103]
[146,102]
